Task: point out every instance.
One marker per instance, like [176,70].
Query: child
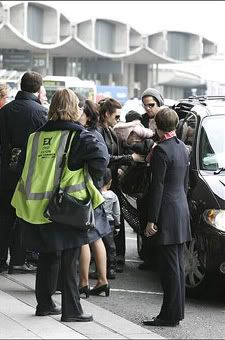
[112,209]
[135,137]
[132,131]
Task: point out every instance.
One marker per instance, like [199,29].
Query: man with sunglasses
[151,99]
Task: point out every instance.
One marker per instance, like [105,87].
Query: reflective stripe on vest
[40,177]
[26,189]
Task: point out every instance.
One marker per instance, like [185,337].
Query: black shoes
[25,268]
[111,274]
[3,267]
[143,266]
[120,266]
[101,289]
[80,318]
[85,290]
[148,266]
[160,322]
[44,312]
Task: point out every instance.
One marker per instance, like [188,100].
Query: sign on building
[19,60]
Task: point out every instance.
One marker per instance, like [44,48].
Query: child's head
[107,178]
[132,115]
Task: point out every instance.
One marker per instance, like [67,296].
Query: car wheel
[195,269]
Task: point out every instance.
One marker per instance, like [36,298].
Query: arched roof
[92,38]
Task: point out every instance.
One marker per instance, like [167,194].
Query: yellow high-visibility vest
[40,177]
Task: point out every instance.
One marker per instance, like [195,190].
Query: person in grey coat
[168,216]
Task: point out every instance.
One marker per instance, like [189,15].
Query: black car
[202,128]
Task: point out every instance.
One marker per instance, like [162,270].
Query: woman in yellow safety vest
[39,166]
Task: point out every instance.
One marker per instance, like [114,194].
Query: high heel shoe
[85,290]
[98,290]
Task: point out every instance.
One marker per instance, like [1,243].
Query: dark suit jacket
[168,206]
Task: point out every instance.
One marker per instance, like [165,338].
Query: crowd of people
[33,138]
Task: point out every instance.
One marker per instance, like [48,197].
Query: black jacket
[116,152]
[145,122]
[168,206]
[18,119]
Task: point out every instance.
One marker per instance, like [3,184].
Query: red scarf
[166,136]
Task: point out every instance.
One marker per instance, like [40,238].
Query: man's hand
[151,229]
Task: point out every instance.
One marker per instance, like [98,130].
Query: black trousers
[10,236]
[110,247]
[47,278]
[17,251]
[149,248]
[172,276]
[120,241]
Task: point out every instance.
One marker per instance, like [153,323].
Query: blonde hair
[3,90]
[64,106]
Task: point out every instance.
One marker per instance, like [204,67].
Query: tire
[195,269]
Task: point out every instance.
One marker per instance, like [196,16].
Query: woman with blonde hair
[57,242]
[4,91]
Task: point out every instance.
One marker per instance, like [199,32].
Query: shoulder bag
[66,209]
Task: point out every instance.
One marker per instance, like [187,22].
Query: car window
[212,143]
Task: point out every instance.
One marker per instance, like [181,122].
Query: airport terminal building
[35,36]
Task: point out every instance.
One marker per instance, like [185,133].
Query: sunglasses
[148,106]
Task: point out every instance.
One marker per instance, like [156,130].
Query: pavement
[18,320]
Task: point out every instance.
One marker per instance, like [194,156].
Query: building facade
[38,37]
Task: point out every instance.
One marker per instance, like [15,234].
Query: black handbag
[66,209]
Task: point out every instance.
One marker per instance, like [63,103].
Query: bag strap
[64,155]
[86,173]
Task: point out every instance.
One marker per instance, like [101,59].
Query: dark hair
[107,176]
[108,105]
[81,100]
[91,111]
[166,119]
[31,82]
[132,115]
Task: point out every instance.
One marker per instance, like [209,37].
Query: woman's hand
[151,229]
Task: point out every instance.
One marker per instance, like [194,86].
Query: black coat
[18,119]
[145,120]
[116,152]
[87,148]
[168,206]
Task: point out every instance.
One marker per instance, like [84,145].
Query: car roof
[201,105]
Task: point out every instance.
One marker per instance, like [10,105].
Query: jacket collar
[27,96]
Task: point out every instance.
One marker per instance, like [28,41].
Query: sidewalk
[17,319]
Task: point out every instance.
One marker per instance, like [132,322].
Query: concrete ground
[17,319]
